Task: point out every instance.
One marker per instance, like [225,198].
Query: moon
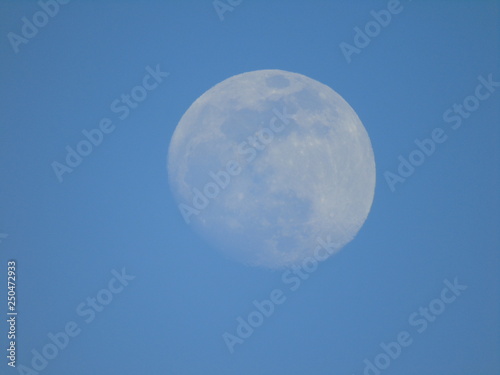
[268,164]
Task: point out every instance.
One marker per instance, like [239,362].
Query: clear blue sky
[115,209]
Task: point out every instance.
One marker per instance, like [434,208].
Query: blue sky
[115,209]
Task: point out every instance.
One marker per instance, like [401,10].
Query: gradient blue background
[115,210]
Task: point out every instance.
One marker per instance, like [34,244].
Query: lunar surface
[267,164]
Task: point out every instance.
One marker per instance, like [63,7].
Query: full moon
[268,165]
